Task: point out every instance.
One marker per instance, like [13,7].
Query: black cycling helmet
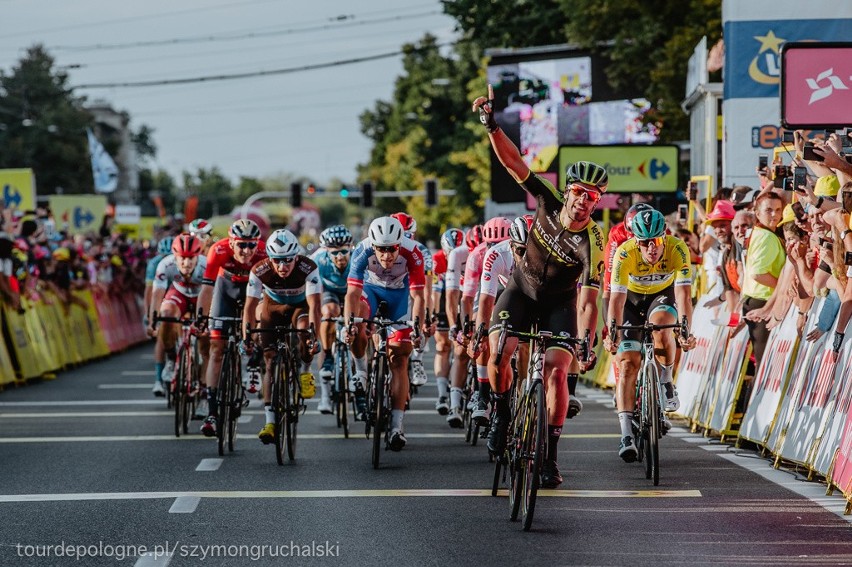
[335,236]
[588,173]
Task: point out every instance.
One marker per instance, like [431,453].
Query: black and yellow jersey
[630,272]
[557,259]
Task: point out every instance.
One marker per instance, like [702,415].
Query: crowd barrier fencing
[47,337]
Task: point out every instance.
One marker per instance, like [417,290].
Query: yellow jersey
[630,271]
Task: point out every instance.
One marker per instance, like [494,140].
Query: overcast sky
[304,122]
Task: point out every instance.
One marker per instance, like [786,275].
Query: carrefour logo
[11,196]
[765,68]
[653,168]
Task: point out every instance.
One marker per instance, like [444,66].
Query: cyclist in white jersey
[451,239]
[177,282]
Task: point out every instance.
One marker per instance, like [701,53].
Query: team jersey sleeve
[428,263]
[593,271]
[313,283]
[255,287]
[541,188]
[620,269]
[609,258]
[680,263]
[212,269]
[472,273]
[492,268]
[358,266]
[151,269]
[453,278]
[161,276]
[416,269]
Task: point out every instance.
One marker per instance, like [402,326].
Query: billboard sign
[816,85]
[631,168]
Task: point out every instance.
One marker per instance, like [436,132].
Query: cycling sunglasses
[284,261]
[657,242]
[338,252]
[251,245]
[579,191]
[387,249]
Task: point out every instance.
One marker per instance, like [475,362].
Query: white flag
[103,168]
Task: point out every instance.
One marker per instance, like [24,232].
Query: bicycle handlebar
[648,326]
[546,336]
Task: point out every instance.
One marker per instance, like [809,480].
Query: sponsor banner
[841,475]
[695,368]
[816,88]
[841,400]
[753,47]
[770,381]
[128,214]
[805,359]
[745,137]
[631,168]
[18,189]
[730,383]
[80,213]
[809,415]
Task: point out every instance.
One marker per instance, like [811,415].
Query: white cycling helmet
[282,244]
[385,231]
[244,229]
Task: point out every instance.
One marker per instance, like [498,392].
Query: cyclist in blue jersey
[332,261]
[164,248]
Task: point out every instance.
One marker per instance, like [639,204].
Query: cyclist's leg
[331,303]
[400,348]
[267,317]
[458,375]
[174,305]
[368,305]
[224,304]
[663,312]
[628,360]
[442,363]
[298,318]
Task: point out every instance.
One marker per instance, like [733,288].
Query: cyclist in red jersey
[223,289]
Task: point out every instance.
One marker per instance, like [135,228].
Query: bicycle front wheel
[292,407]
[224,401]
[340,383]
[236,398]
[179,394]
[379,426]
[517,468]
[652,419]
[535,446]
[279,404]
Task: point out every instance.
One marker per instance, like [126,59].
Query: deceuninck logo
[821,92]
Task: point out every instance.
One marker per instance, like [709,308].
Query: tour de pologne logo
[765,68]
[824,85]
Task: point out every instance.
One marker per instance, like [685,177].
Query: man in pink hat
[717,236]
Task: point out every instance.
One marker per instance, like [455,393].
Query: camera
[779,175]
[808,153]
[692,191]
[827,244]
[762,162]
[787,136]
[847,258]
[800,178]
[682,213]
[799,212]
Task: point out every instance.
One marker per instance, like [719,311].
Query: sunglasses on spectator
[657,242]
[579,191]
[285,261]
[338,252]
[387,249]
[243,245]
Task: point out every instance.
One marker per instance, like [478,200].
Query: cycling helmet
[385,231]
[520,229]
[632,212]
[407,221]
[588,173]
[282,244]
[648,224]
[200,227]
[335,236]
[244,229]
[473,237]
[186,245]
[496,230]
[451,239]
[165,246]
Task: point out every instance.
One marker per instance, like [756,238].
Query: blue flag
[104,169]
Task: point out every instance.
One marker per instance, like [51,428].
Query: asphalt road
[89,461]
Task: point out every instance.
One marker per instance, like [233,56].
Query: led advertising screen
[816,85]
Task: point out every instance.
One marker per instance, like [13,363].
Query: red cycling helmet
[407,221]
[473,236]
[632,212]
[186,245]
[496,230]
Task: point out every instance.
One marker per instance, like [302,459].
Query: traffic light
[344,192]
[296,195]
[367,194]
[311,189]
[431,192]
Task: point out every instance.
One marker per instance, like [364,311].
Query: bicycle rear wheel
[224,409]
[292,405]
[178,386]
[277,397]
[535,446]
[379,425]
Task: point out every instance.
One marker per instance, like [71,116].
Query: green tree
[518,23]
[153,184]
[43,125]
[214,190]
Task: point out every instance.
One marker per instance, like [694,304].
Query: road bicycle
[648,415]
[231,396]
[341,397]
[286,388]
[185,390]
[526,447]
[472,429]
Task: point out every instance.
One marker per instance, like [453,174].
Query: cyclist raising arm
[564,249]
[650,275]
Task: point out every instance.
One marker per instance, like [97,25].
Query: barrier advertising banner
[841,398]
[694,366]
[731,380]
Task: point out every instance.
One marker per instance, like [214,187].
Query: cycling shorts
[272,314]
[441,321]
[397,308]
[228,296]
[332,297]
[185,304]
[638,308]
[557,315]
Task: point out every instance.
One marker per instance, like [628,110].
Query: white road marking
[73,414]
[124,386]
[147,356]
[207,465]
[138,372]
[83,403]
[185,505]
[245,418]
[372,493]
[152,559]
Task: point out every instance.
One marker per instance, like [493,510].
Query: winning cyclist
[409,226]
[650,275]
[224,287]
[564,251]
[386,267]
[175,290]
[332,260]
[451,239]
[283,290]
